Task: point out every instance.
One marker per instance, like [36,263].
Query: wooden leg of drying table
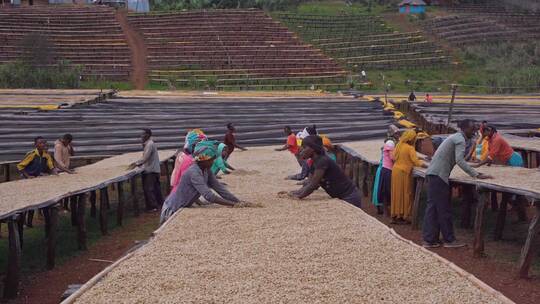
[531,244]
[11,283]
[134,196]
[103,211]
[81,221]
[93,204]
[120,211]
[51,240]
[478,245]
[416,204]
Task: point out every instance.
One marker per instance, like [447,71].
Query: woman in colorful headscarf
[184,159]
[382,187]
[198,181]
[220,164]
[329,147]
[405,159]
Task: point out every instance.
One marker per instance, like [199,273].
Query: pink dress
[182,163]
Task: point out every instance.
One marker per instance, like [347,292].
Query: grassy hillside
[483,68]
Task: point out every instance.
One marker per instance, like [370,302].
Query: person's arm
[177,164]
[229,166]
[460,159]
[313,184]
[285,147]
[71,150]
[25,162]
[50,165]
[147,153]
[200,185]
[221,189]
[414,158]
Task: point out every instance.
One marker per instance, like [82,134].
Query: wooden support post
[93,204]
[167,176]
[46,216]
[415,221]
[501,219]
[365,176]
[478,245]
[7,172]
[530,248]
[20,227]
[494,201]
[51,240]
[120,211]
[11,281]
[73,209]
[103,211]
[107,201]
[133,183]
[81,221]
[30,218]
[451,109]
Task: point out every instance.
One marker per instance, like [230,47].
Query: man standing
[151,172]
[230,140]
[63,150]
[37,162]
[438,217]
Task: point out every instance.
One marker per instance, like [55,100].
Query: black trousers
[152,190]
[438,217]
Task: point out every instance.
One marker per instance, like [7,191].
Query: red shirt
[292,144]
[499,149]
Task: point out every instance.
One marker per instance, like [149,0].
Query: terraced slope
[364,42]
[231,49]
[473,24]
[88,36]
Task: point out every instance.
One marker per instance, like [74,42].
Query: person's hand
[244,149]
[132,166]
[483,176]
[70,171]
[292,195]
[30,176]
[282,194]
[424,165]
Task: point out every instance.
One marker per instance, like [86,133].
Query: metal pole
[454,88]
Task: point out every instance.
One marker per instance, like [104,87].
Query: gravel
[317,250]
[17,195]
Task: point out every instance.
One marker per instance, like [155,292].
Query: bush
[167,5]
[22,75]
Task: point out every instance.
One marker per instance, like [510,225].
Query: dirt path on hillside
[137,48]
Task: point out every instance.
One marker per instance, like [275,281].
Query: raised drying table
[45,193]
[359,160]
[316,250]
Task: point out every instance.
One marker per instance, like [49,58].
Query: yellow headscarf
[407,138]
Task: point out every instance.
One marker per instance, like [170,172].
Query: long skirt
[376,187]
[402,194]
[385,187]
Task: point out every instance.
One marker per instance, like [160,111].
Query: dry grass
[24,193]
[316,250]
